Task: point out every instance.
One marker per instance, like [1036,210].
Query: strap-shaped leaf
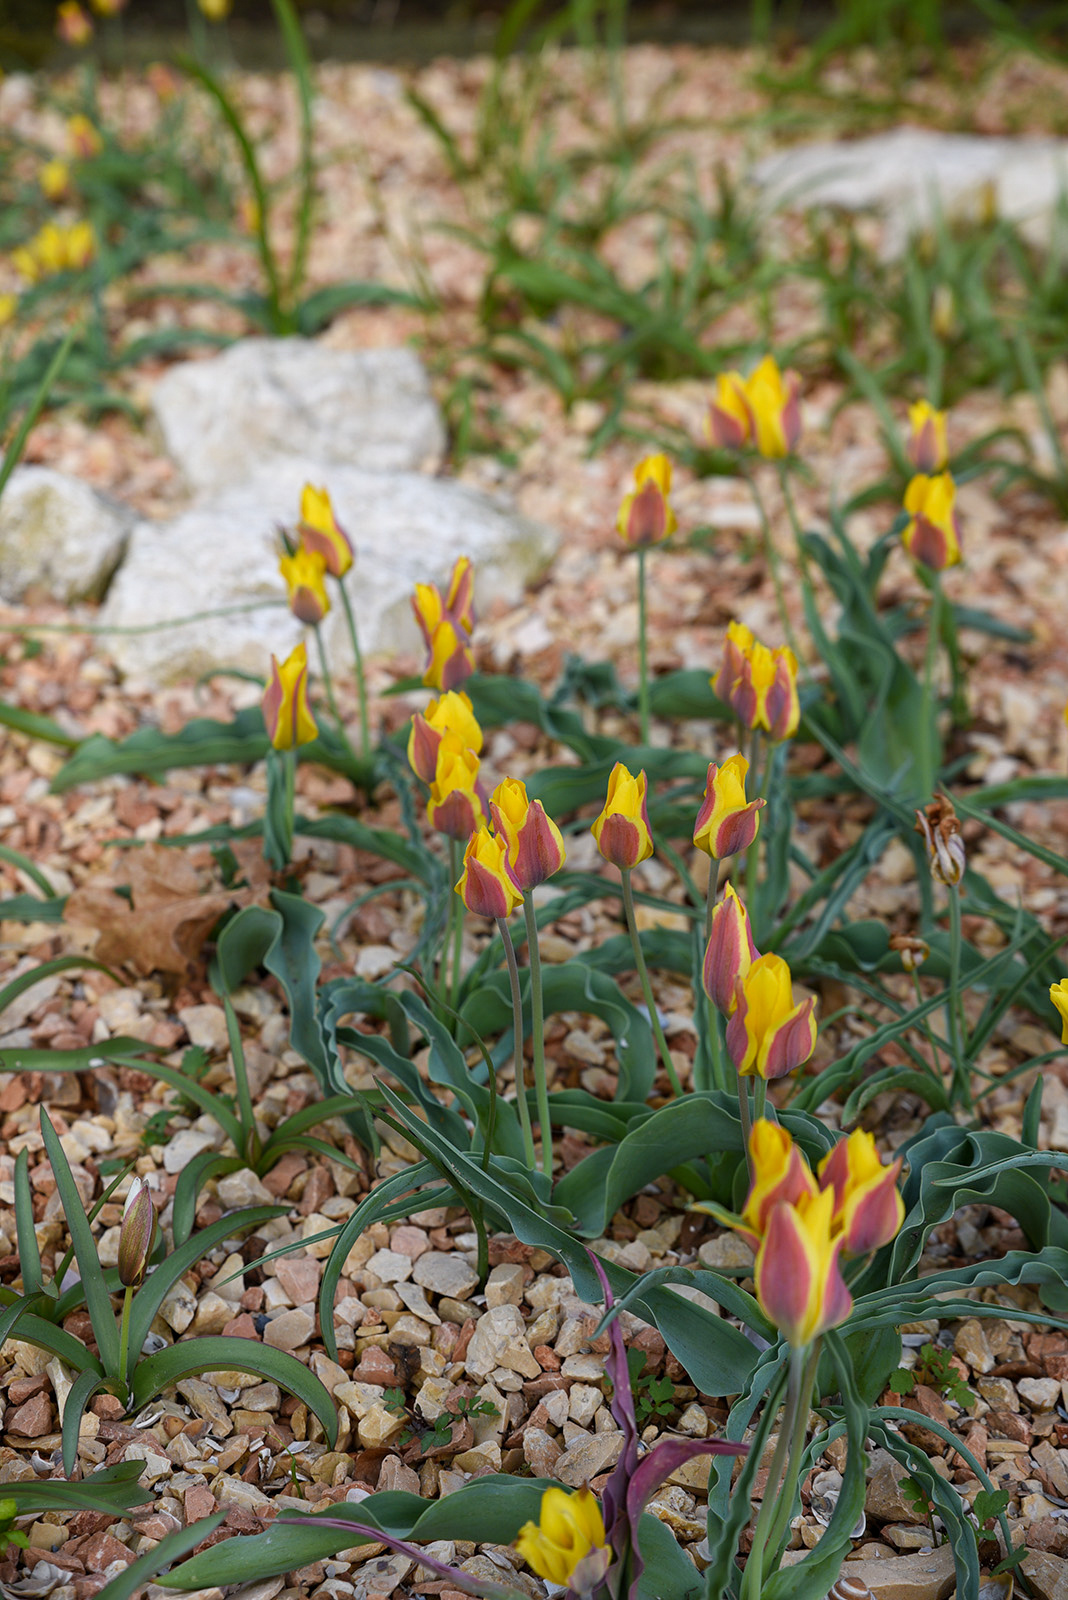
[81,1392]
[155,1561]
[26,1233]
[97,1297]
[217,1353]
[110,1489]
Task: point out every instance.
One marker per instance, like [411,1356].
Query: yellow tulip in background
[927,448]
[535,846]
[452,713]
[455,806]
[321,532]
[727,823]
[645,516]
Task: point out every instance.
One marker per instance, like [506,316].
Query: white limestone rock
[223,418]
[58,535]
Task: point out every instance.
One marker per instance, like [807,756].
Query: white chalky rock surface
[58,535]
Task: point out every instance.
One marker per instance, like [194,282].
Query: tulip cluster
[55,249]
[446,622]
[761,411]
[768,1036]
[759,684]
[800,1224]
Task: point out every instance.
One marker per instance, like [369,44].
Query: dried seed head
[938,824]
[912,950]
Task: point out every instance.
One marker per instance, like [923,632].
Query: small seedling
[936,1369]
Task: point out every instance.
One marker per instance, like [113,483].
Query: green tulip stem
[760,1097]
[537,1015]
[328,682]
[795,523]
[643,659]
[961,1081]
[928,703]
[361,682]
[925,1029]
[124,1344]
[771,558]
[643,979]
[450,989]
[752,855]
[745,1116]
[783,1502]
[517,1023]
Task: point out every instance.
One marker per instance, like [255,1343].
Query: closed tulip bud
[622,830]
[645,516]
[868,1210]
[451,661]
[729,953]
[768,1034]
[726,822]
[729,424]
[535,848]
[486,886]
[799,1282]
[137,1233]
[304,572]
[9,305]
[927,448]
[430,606]
[321,531]
[83,139]
[772,398]
[73,26]
[938,824]
[932,534]
[456,806]
[285,702]
[54,178]
[781,1175]
[729,682]
[765,695]
[912,950]
[453,713]
[1058,993]
[569,1531]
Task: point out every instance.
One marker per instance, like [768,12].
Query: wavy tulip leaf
[155,1561]
[111,1490]
[217,1353]
[97,1296]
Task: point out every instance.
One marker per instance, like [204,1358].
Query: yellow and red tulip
[933,531]
[304,571]
[321,531]
[456,806]
[772,399]
[54,179]
[569,1531]
[285,702]
[622,830]
[727,823]
[799,1282]
[645,516]
[451,660]
[535,848]
[729,424]
[737,648]
[430,606]
[82,137]
[486,886]
[9,305]
[765,694]
[781,1175]
[1058,993]
[768,1034]
[868,1210]
[73,25]
[729,953]
[927,447]
[453,713]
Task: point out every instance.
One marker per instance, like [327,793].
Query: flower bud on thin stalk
[940,828]
[322,534]
[646,518]
[137,1235]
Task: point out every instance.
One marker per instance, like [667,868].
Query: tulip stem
[643,662]
[760,1098]
[925,1029]
[124,1343]
[928,710]
[784,1501]
[517,1024]
[643,979]
[771,557]
[537,1016]
[328,682]
[450,984]
[361,682]
[745,1116]
[961,1080]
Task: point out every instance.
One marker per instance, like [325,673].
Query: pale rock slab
[406,528]
[913,175]
[59,535]
[222,418]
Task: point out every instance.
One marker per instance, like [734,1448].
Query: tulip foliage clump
[766,1126]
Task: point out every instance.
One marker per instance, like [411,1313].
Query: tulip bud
[645,516]
[453,713]
[456,806]
[429,606]
[486,886]
[303,571]
[534,843]
[73,26]
[868,1210]
[137,1233]
[938,824]
[729,424]
[737,648]
[765,693]
[927,448]
[285,702]
[780,1175]
[912,950]
[772,398]
[1058,993]
[452,660]
[320,531]
[726,824]
[569,1531]
[82,138]
[54,178]
[799,1282]
[622,830]
[768,1034]
[730,952]
[932,534]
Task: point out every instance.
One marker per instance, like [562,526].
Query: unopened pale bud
[137,1233]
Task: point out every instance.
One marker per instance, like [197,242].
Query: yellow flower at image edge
[1058,993]
[9,304]
[570,1528]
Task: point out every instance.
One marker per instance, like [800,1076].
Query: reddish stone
[253,1298]
[929,1403]
[375,1367]
[1056,1366]
[23,1389]
[101,1549]
[199,1502]
[108,1406]
[317,1190]
[242,1520]
[31,1420]
[281,1175]
[64,1558]
[466,1335]
[1008,1425]
[534,1388]
[547,1358]
[84,1522]
[241,1327]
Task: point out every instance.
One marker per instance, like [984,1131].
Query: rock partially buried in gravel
[405,528]
[224,417]
[58,535]
[445,1273]
[588,1458]
[930,1576]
